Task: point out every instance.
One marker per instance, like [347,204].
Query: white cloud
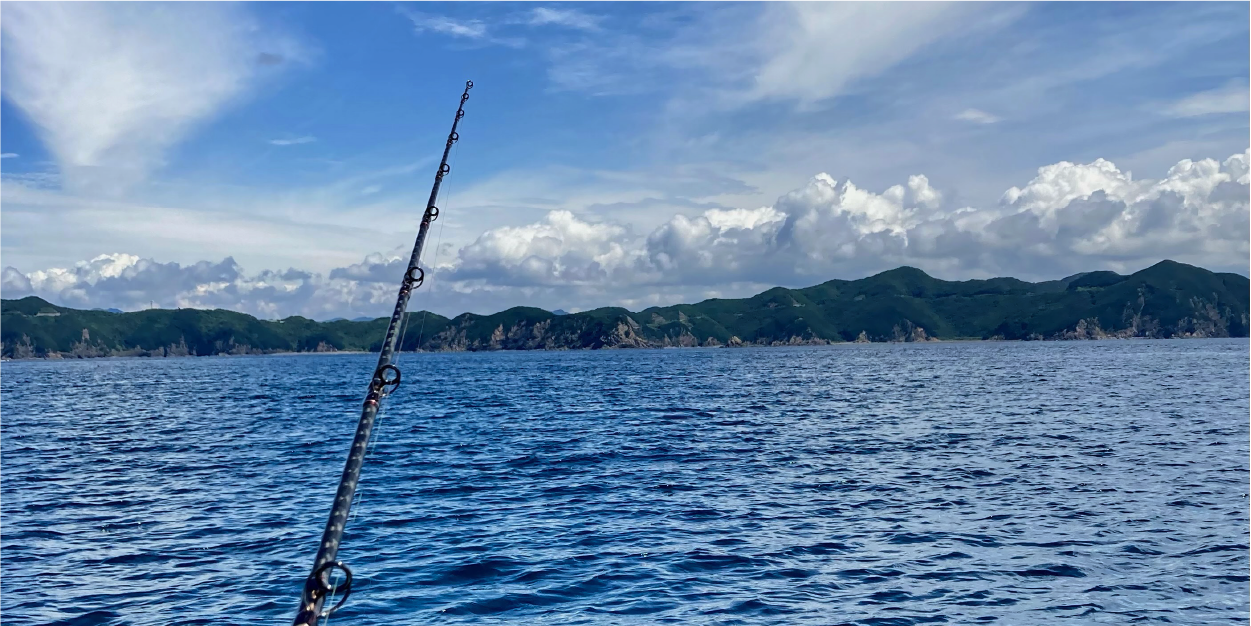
[1070,217]
[470,29]
[294,141]
[486,33]
[739,55]
[128,282]
[310,229]
[570,18]
[560,250]
[473,30]
[111,86]
[9,155]
[1233,97]
[976,116]
[14,283]
[814,50]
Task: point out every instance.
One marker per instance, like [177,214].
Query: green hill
[1168,299]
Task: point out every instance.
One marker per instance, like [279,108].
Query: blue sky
[273,158]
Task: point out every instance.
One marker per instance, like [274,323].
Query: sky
[275,158]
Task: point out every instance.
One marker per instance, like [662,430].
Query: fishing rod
[386,379]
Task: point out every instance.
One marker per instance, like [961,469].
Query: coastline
[903,305]
[928,341]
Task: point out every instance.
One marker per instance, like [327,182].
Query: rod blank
[317,587]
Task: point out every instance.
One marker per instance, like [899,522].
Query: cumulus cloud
[128,282]
[111,86]
[561,249]
[376,268]
[13,282]
[1070,217]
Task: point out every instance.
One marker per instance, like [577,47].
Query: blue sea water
[956,483]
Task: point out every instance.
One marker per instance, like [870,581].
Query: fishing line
[374,436]
[404,333]
[425,312]
[334,586]
[386,379]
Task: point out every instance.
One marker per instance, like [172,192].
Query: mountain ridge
[1168,299]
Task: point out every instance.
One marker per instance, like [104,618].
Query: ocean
[882,484]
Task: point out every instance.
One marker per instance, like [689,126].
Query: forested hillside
[1168,299]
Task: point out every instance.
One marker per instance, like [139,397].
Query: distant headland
[1168,299]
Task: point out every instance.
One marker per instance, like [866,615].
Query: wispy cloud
[471,29]
[976,116]
[312,227]
[482,30]
[740,55]
[9,155]
[569,18]
[110,87]
[1233,97]
[293,142]
[813,51]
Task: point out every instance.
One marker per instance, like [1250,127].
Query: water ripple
[872,485]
